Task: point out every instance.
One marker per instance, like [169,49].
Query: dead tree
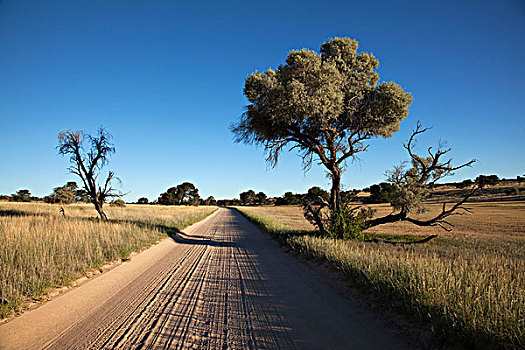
[415,184]
[87,164]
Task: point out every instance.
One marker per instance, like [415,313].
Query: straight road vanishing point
[221,284]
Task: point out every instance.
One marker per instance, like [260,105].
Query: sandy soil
[222,284]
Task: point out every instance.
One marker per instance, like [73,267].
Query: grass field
[468,285]
[40,248]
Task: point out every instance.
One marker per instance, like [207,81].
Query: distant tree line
[187,194]
[385,192]
[22,196]
[483,181]
[66,194]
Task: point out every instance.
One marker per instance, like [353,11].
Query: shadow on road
[181,237]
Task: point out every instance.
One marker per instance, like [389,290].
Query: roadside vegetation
[42,247]
[467,286]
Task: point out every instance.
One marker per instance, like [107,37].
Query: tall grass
[39,248]
[469,288]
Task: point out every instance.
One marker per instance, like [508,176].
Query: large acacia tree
[327,105]
[87,161]
[185,193]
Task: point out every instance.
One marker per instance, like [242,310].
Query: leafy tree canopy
[210,201]
[21,196]
[262,198]
[248,197]
[65,194]
[288,199]
[142,200]
[185,193]
[487,180]
[325,104]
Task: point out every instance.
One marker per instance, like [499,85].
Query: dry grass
[469,284]
[288,217]
[39,248]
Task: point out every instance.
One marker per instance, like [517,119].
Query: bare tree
[414,185]
[87,164]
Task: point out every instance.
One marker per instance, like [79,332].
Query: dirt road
[221,284]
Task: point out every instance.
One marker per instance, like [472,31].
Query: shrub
[512,191]
[118,203]
[349,223]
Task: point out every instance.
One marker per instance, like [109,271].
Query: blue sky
[165,78]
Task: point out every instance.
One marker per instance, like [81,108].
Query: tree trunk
[98,207]
[335,192]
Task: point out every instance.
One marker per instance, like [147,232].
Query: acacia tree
[262,198]
[190,193]
[142,200]
[248,197]
[210,201]
[87,163]
[185,193]
[65,194]
[327,105]
[21,196]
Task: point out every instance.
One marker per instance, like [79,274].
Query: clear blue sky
[166,77]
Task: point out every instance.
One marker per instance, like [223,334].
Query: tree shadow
[171,231]
[175,234]
[182,238]
[19,213]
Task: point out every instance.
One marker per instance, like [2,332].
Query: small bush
[118,203]
[347,224]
